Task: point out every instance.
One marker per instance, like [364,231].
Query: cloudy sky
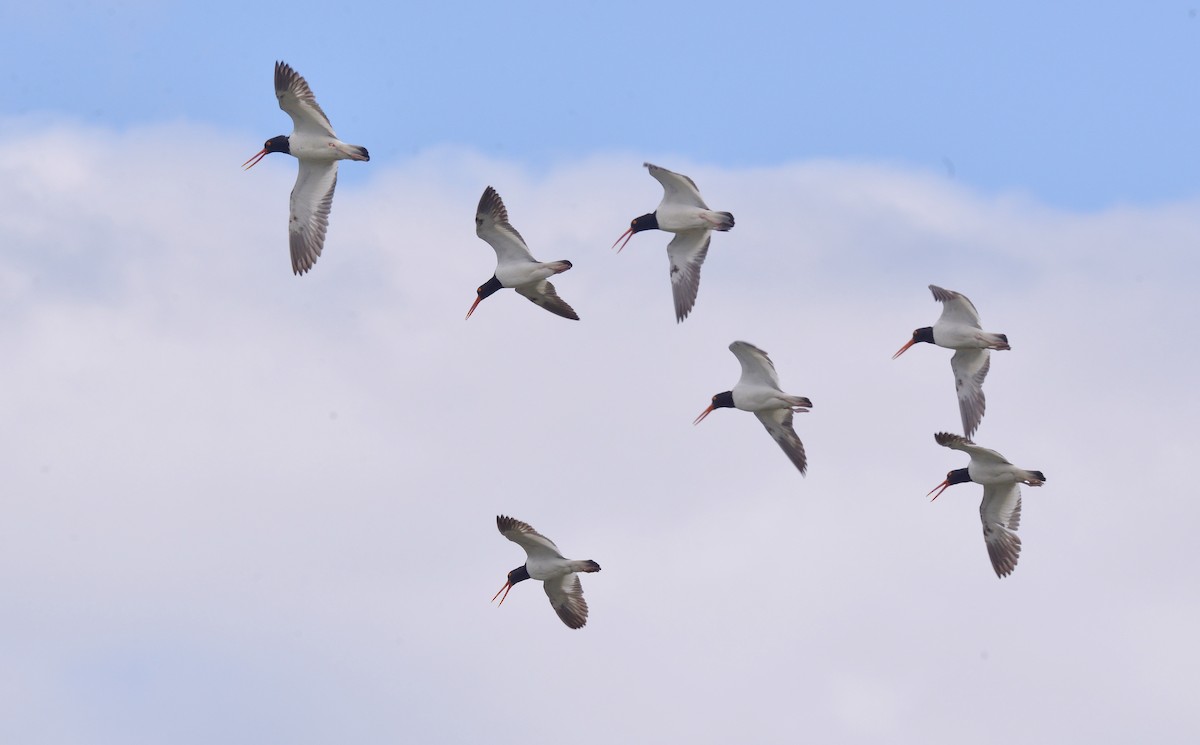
[240,506]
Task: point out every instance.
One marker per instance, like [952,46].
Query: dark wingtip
[491,204]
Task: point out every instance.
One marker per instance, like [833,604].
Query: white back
[536,545]
[677,188]
[297,99]
[757,368]
[1000,512]
[958,442]
[686,253]
[491,224]
[956,308]
[566,597]
[312,198]
[970,367]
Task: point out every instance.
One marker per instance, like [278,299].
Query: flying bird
[958,329]
[515,266]
[1000,509]
[758,391]
[683,212]
[318,149]
[545,562]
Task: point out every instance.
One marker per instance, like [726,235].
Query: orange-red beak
[627,235]
[256,157]
[474,305]
[904,348]
[939,488]
[704,413]
[505,589]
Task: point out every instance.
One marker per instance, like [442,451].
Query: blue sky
[241,506]
[1082,105]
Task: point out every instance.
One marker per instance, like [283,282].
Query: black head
[487,289]
[722,400]
[924,334]
[278,144]
[648,221]
[274,145]
[957,476]
[520,574]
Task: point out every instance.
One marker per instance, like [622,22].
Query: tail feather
[560,266]
[997,341]
[799,401]
[585,566]
[1035,478]
[354,152]
[724,220]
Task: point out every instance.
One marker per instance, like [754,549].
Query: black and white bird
[958,328]
[683,212]
[559,576]
[318,149]
[515,266]
[1000,509]
[758,391]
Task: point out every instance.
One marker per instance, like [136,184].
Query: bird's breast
[956,336]
[308,147]
[547,568]
[756,398]
[992,473]
[675,218]
[523,273]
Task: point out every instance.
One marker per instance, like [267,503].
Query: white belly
[516,275]
[315,148]
[955,336]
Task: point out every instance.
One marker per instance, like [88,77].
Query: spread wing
[970,367]
[296,98]
[677,188]
[535,544]
[958,442]
[312,197]
[779,423]
[757,368]
[544,295]
[956,308]
[1000,511]
[566,597]
[686,253]
[491,224]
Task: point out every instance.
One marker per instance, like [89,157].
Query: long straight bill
[939,489]
[256,157]
[505,589]
[627,235]
[904,348]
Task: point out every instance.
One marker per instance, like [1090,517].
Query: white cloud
[241,505]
